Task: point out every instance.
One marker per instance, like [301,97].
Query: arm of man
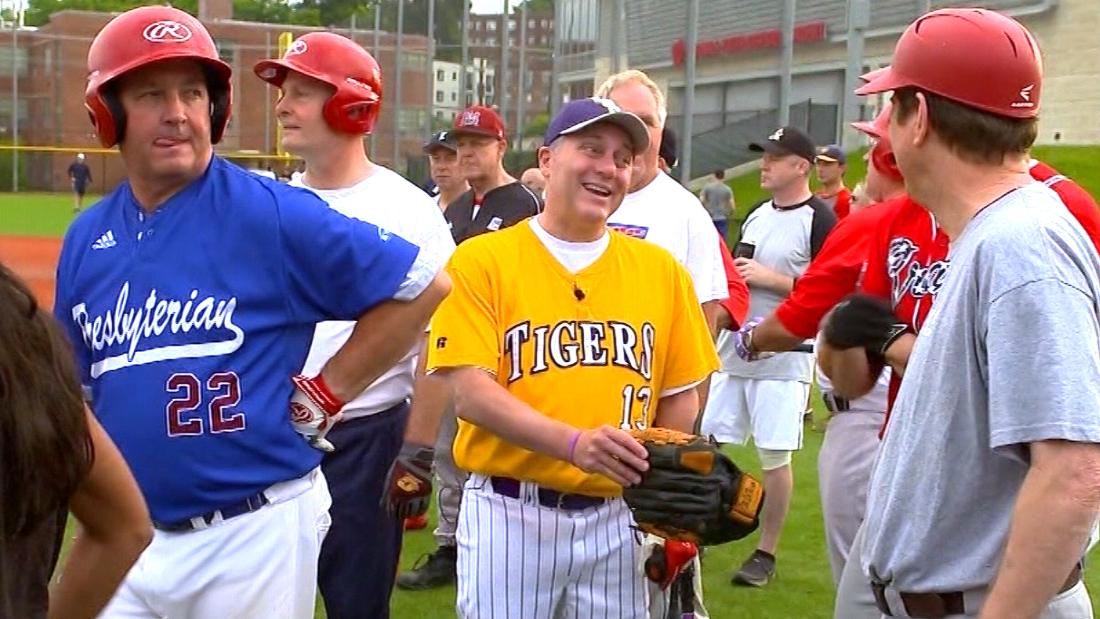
[480,400]
[381,337]
[1054,514]
[1043,389]
[114,530]
[339,268]
[679,410]
[735,308]
[431,396]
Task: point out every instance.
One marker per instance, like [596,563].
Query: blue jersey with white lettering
[189,322]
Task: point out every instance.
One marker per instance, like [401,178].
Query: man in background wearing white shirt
[658,208]
[359,555]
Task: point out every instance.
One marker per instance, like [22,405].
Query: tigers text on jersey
[595,347]
[188,325]
[387,200]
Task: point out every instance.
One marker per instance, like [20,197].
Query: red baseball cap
[479,120]
[879,128]
[979,58]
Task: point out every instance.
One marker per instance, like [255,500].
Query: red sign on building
[809,32]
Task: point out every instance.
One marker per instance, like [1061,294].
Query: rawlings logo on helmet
[297,47]
[358,83]
[166,31]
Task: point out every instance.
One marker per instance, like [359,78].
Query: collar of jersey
[588,272]
[173,203]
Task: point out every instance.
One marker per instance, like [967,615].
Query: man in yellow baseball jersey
[558,336]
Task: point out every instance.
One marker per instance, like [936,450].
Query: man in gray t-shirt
[717,198]
[988,481]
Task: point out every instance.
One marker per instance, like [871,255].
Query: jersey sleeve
[704,262]
[433,237]
[62,312]
[831,276]
[339,267]
[466,328]
[691,356]
[823,222]
[1044,366]
[843,203]
[737,304]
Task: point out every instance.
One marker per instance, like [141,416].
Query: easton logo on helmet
[166,31]
[297,47]
[1025,94]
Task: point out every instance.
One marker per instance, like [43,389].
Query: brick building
[51,61]
[485,41]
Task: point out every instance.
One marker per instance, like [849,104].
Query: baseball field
[30,229]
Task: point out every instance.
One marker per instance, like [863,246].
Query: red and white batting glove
[314,410]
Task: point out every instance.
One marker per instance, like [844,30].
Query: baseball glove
[692,491]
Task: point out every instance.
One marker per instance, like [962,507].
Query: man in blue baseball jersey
[190,294]
[330,97]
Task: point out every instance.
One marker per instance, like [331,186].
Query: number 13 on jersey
[640,396]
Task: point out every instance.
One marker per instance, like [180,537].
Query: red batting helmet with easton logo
[340,63]
[140,37]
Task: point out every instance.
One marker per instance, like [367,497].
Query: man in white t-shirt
[359,556]
[766,398]
[659,209]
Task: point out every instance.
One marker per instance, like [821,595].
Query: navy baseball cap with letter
[441,139]
[832,153]
[580,114]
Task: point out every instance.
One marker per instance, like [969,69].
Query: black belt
[835,404]
[248,505]
[939,605]
[553,499]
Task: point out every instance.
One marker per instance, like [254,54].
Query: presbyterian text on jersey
[125,326]
[570,343]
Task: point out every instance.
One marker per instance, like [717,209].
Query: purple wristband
[573,445]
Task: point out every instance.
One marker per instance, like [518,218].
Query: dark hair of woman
[45,446]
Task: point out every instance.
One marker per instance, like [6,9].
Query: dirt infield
[35,260]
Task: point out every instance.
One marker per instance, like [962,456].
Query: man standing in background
[831,163]
[717,198]
[496,200]
[442,155]
[79,175]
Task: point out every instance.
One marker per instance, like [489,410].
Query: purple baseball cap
[579,114]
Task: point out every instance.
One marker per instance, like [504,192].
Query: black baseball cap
[669,150]
[441,139]
[787,141]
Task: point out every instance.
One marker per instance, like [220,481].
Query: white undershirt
[573,256]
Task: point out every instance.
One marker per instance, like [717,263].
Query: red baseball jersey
[737,304]
[836,270]
[908,259]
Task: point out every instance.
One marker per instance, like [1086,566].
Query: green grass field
[804,587]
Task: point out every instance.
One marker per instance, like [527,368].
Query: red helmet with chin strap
[140,37]
[340,63]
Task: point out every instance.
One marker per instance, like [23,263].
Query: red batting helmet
[140,37]
[338,62]
[979,58]
[882,153]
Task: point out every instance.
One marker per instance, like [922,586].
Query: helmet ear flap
[116,112]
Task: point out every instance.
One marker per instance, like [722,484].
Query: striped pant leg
[514,556]
[606,581]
